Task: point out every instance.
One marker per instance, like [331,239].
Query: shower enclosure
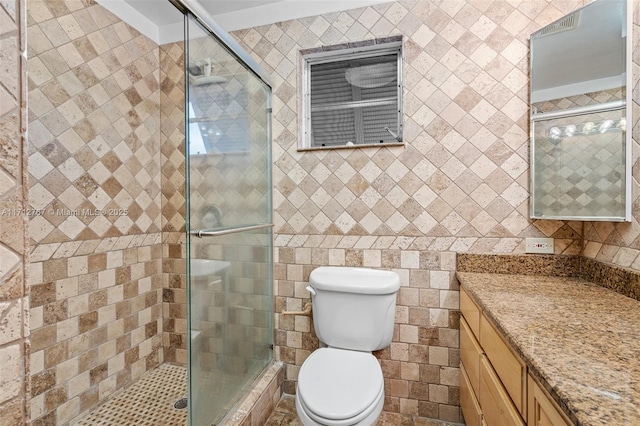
[229,217]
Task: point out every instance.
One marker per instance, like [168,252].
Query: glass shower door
[229,223]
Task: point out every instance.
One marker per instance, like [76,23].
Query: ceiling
[161,21]
[157,11]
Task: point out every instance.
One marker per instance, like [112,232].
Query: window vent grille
[353,97]
[569,22]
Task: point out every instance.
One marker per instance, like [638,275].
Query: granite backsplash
[618,279]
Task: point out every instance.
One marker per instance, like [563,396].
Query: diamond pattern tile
[580,100]
[465,123]
[172,136]
[101,79]
[464,105]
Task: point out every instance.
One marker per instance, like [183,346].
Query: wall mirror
[580,84]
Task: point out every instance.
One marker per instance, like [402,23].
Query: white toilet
[353,314]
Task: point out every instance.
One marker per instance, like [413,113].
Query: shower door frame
[191,9]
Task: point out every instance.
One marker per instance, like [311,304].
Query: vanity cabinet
[495,389]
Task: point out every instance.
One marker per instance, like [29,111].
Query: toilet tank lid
[354,280]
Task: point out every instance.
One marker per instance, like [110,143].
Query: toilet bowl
[339,387]
[353,314]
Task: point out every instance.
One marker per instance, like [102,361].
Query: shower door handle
[204,233]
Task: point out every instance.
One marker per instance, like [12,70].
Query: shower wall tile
[619,243]
[460,184]
[94,185]
[14,293]
[172,101]
[172,153]
[93,333]
[94,158]
[174,297]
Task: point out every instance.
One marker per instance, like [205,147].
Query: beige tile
[438,356]
[11,382]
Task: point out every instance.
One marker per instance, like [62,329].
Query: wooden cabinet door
[468,401]
[511,370]
[497,407]
[542,410]
[471,311]
[470,352]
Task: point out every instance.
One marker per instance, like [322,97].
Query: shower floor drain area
[147,402]
[180,404]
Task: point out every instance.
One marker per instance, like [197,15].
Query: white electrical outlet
[539,245]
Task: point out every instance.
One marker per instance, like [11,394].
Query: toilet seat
[340,387]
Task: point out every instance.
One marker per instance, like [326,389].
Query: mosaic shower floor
[148,402]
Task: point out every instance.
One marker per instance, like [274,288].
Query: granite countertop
[581,341]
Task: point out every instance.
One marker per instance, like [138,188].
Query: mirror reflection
[580,147]
[584,52]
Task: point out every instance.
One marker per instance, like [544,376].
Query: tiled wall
[619,243]
[94,178]
[174,296]
[580,100]
[459,184]
[14,293]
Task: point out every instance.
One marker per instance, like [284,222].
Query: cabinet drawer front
[470,311]
[468,401]
[542,410]
[510,368]
[496,405]
[470,352]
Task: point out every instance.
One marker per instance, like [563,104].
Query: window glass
[353,97]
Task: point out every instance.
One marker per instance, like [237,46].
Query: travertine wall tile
[172,101]
[619,243]
[14,293]
[106,186]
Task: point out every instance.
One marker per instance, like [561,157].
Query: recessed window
[352,95]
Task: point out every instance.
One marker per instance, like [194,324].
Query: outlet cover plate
[539,245]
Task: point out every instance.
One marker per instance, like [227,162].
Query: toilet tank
[354,308]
